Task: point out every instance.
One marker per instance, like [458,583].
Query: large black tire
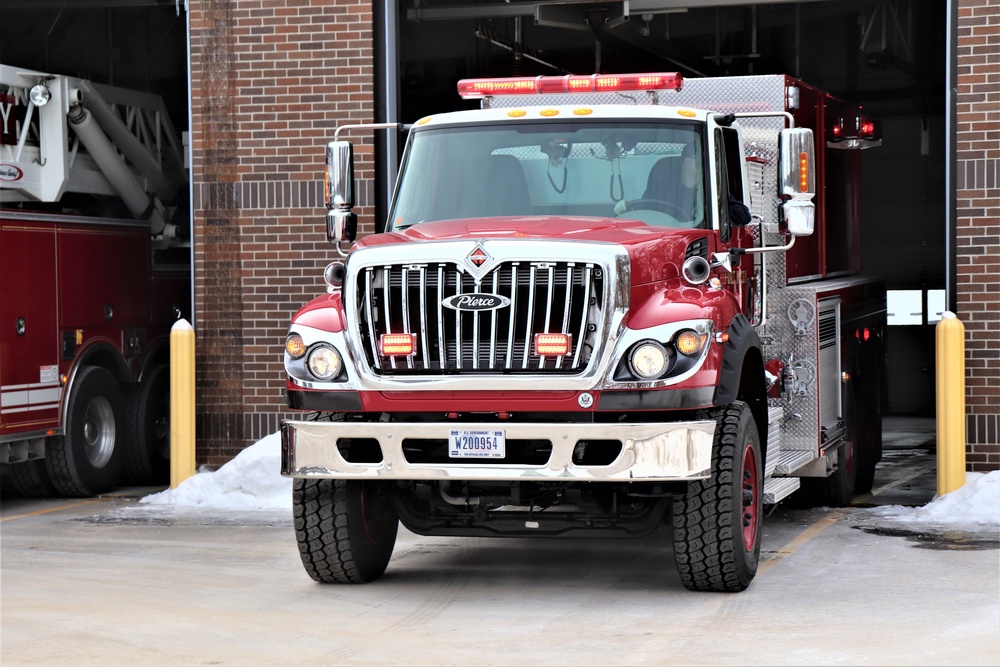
[87,459]
[717,523]
[869,417]
[29,479]
[346,529]
[147,454]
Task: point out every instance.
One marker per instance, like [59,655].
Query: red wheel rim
[751,498]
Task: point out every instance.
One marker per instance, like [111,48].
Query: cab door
[731,184]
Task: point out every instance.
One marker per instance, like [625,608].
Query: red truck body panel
[76,283]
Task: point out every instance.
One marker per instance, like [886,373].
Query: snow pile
[976,503]
[251,481]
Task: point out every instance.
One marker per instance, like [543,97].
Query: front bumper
[664,451]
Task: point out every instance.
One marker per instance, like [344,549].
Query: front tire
[346,529]
[87,459]
[717,523]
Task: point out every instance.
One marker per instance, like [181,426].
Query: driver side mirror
[341,222]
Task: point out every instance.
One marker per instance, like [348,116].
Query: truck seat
[507,188]
[660,177]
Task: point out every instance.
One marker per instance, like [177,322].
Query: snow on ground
[977,503]
[251,481]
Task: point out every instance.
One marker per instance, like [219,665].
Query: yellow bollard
[182,406]
[950,377]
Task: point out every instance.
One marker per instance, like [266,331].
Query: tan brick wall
[978,223]
[271,80]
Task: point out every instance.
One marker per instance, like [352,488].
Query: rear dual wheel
[147,457]
[87,459]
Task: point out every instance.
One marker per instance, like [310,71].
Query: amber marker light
[295,346]
[398,345]
[517,113]
[552,344]
[583,111]
[803,172]
[688,342]
[548,112]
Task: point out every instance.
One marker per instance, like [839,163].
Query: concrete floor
[107,581]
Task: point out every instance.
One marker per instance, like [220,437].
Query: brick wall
[978,228]
[271,80]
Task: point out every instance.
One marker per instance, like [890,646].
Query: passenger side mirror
[797,165]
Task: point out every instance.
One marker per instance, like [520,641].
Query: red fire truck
[93,272]
[599,302]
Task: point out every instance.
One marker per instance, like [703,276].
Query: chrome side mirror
[798,180]
[341,222]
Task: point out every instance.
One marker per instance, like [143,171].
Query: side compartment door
[29,344]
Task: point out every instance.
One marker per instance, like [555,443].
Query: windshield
[642,171]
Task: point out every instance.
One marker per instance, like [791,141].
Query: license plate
[476,443]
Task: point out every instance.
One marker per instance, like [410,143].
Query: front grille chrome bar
[529,297]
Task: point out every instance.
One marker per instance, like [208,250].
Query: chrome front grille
[537,297]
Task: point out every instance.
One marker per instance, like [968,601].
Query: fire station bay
[488,255]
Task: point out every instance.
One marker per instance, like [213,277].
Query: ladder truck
[599,304]
[94,270]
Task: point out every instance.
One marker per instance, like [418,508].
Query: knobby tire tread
[703,518]
[320,509]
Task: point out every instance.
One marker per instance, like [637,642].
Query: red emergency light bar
[471,89]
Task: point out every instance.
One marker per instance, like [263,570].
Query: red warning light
[470,89]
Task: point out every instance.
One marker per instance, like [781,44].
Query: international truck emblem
[478,257]
[476,301]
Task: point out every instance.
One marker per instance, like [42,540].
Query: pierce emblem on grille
[474,301]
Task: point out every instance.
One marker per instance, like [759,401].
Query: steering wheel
[661,205]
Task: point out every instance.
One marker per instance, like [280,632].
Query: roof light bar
[471,89]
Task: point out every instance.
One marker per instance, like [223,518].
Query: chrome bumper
[670,451]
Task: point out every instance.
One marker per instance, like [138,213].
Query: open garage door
[887,55]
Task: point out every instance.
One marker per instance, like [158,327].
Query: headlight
[689,342]
[325,362]
[294,346]
[648,360]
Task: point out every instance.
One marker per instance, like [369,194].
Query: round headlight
[688,342]
[648,360]
[295,346]
[325,362]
